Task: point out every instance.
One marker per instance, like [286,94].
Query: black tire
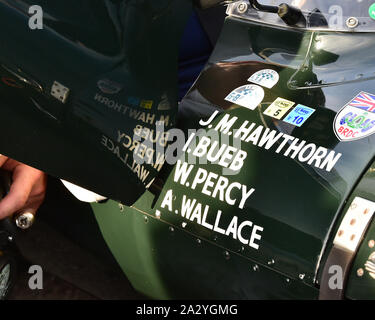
[7,275]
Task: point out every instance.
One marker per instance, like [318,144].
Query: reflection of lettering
[142,150]
[213,185]
[139,115]
[246,232]
[141,172]
[154,136]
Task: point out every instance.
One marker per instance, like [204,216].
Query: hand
[27,191]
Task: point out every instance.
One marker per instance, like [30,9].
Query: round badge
[371,11]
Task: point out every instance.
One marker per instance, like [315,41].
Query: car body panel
[298,205]
[266,232]
[115,80]
[166,262]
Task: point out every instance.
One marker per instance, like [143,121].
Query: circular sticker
[371,11]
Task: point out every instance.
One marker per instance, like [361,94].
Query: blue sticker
[299,115]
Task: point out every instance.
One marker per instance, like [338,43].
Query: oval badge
[109,87]
[357,119]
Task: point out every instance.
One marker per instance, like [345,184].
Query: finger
[18,194]
[30,208]
[3,159]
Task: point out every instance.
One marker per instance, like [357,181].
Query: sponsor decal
[267,78]
[248,96]
[279,108]
[299,115]
[357,119]
[109,87]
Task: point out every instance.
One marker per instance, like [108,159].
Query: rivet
[271,262]
[184,224]
[215,238]
[352,237]
[352,222]
[301,276]
[366,211]
[199,241]
[171,229]
[287,280]
[341,232]
[121,207]
[10,238]
[360,272]
[255,268]
[145,219]
[242,249]
[352,22]
[158,214]
[371,243]
[242,7]
[226,255]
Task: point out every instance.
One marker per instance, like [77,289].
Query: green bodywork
[164,261]
[127,45]
[296,206]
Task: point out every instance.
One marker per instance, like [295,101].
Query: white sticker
[354,224]
[248,96]
[266,78]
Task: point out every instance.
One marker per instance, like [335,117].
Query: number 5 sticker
[299,115]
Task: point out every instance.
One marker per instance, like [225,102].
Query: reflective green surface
[166,262]
[297,204]
[118,60]
[288,219]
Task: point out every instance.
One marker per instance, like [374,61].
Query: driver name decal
[357,119]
